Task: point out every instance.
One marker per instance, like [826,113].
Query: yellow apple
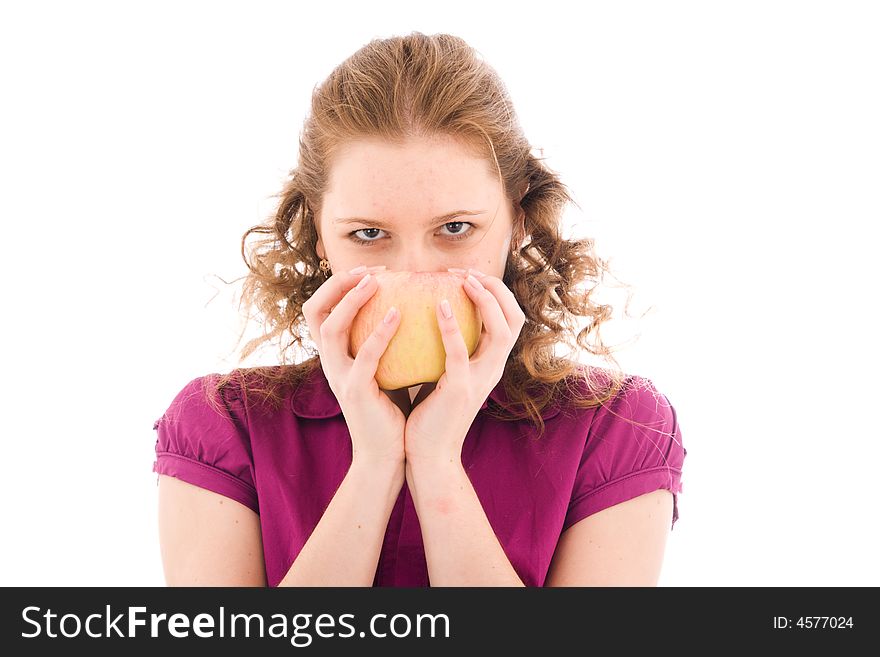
[416,353]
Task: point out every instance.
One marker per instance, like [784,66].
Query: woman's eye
[370,234]
[364,230]
[459,225]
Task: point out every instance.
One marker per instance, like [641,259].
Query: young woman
[519,467]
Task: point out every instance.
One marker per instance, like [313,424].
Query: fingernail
[358,270]
[456,270]
[390,315]
[476,272]
[447,311]
[476,283]
[363,282]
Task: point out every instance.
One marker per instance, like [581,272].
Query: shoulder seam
[232,478]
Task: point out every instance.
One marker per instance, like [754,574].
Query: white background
[726,156]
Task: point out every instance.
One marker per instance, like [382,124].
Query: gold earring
[325,267]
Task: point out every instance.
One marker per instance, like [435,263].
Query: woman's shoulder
[202,439]
[261,386]
[593,381]
[589,392]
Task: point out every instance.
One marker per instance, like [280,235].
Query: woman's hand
[436,428]
[376,424]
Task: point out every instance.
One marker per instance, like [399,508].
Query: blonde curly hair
[419,85]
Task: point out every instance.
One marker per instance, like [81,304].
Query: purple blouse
[286,465]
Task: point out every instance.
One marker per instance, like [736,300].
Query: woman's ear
[319,245]
[518,235]
[517,238]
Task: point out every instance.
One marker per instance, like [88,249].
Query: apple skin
[415,353]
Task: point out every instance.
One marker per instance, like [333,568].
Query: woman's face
[425,206]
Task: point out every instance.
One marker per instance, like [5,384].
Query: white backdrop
[724,155]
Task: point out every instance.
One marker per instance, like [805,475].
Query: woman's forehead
[376,181]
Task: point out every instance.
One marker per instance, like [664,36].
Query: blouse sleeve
[633,447]
[202,440]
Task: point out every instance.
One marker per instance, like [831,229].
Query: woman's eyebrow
[430,222]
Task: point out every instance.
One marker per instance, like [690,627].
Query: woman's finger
[336,328]
[367,360]
[323,301]
[513,314]
[457,365]
[498,332]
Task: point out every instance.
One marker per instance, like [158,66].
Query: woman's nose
[417,262]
